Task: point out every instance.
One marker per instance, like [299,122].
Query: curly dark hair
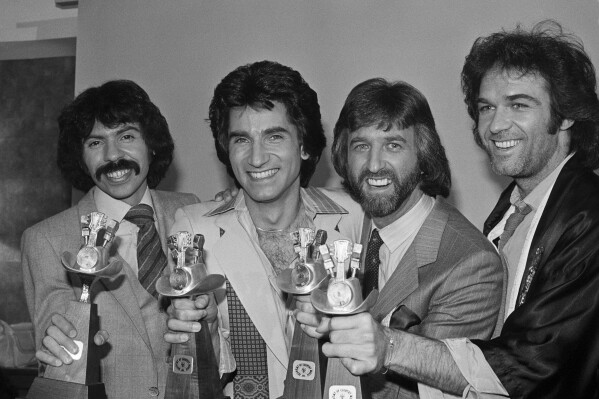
[377,102]
[258,86]
[114,103]
[561,60]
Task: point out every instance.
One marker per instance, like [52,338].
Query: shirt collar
[535,197]
[114,208]
[404,227]
[315,201]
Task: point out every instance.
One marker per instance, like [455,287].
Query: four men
[115,145]
[533,99]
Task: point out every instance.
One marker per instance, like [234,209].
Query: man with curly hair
[115,145]
[532,96]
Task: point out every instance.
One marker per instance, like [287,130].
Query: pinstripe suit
[448,284]
[134,359]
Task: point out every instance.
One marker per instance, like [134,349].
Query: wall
[22,20]
[180,49]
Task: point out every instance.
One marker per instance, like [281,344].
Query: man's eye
[360,147]
[394,146]
[93,143]
[484,108]
[519,106]
[127,137]
[239,140]
[275,137]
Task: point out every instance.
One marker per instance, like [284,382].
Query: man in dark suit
[532,96]
[115,144]
[438,276]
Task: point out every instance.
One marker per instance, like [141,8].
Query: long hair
[112,104]
[258,86]
[377,102]
[557,57]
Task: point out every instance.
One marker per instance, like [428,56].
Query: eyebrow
[124,128]
[270,130]
[394,137]
[513,97]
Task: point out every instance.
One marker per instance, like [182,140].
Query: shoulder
[460,230]
[176,198]
[341,197]
[54,224]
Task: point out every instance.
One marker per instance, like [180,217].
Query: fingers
[185,309]
[54,353]
[176,325]
[311,331]
[47,358]
[176,338]
[101,337]
[63,325]
[309,319]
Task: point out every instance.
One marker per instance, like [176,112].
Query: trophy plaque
[306,365]
[194,371]
[342,296]
[81,378]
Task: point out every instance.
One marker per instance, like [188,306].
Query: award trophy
[304,379]
[196,356]
[342,296]
[81,378]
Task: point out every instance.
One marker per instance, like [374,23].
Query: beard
[380,205]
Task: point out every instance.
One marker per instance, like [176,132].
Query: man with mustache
[114,144]
[533,98]
[438,276]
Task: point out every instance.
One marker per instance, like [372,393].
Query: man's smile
[506,144]
[379,182]
[264,174]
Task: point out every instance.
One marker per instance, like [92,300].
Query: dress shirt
[482,381]
[398,236]
[125,240]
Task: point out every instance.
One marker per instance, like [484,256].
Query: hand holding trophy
[304,370]
[342,296]
[194,371]
[81,378]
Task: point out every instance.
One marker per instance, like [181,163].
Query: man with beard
[115,144]
[438,276]
[532,96]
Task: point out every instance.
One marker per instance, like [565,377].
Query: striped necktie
[512,222]
[151,260]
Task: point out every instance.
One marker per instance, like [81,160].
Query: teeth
[379,182]
[263,175]
[118,174]
[506,144]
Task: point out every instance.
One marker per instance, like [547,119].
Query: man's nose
[112,151]
[501,121]
[259,155]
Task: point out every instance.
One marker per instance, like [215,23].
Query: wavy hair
[258,86]
[561,60]
[377,102]
[114,103]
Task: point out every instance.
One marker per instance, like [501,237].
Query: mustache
[118,165]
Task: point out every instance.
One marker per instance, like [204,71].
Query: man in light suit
[532,96]
[266,124]
[115,144]
[438,275]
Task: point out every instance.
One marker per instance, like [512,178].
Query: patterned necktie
[371,264]
[249,350]
[512,222]
[151,260]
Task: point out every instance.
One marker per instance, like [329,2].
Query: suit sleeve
[549,346]
[47,288]
[468,301]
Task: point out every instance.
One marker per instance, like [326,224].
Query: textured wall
[32,93]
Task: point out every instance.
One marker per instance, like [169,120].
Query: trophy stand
[81,378]
[304,371]
[342,297]
[196,356]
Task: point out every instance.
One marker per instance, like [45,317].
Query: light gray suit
[134,359]
[448,284]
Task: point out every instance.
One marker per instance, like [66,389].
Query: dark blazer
[134,359]
[549,345]
[448,284]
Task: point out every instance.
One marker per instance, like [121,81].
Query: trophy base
[306,369]
[340,383]
[44,388]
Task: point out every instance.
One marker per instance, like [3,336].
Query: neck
[276,215]
[527,184]
[405,206]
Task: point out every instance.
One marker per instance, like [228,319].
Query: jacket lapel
[119,286]
[244,269]
[422,251]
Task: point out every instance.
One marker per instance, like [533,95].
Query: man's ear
[304,154]
[566,124]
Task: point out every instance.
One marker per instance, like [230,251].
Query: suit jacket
[448,284]
[134,359]
[229,250]
[549,345]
